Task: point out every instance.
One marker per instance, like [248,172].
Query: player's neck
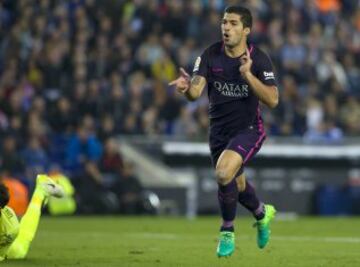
[236,51]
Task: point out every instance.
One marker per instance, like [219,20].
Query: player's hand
[246,63]
[182,83]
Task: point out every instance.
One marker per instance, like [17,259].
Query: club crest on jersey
[232,89]
[197,64]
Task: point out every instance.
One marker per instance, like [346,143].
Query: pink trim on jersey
[260,123]
[251,49]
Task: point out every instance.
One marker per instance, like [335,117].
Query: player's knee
[223,176]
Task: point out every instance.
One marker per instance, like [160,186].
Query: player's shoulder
[214,48]
[257,53]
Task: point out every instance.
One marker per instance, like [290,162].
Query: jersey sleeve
[201,65]
[265,71]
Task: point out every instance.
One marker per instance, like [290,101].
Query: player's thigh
[228,164]
[18,249]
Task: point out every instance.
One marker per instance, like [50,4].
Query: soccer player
[238,76]
[15,237]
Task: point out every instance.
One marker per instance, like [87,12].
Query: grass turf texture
[152,241]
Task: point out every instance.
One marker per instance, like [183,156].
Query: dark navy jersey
[232,104]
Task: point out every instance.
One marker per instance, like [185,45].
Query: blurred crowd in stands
[75,74]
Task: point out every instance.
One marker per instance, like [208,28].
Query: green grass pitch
[160,242]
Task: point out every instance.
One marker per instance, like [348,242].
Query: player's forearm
[267,94]
[191,94]
[196,87]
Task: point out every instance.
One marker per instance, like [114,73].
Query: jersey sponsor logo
[232,89]
[197,64]
[269,75]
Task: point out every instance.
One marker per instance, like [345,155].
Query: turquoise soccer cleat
[263,226]
[226,245]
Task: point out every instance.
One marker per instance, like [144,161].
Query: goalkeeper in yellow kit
[15,237]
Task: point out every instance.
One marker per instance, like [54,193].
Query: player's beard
[231,44]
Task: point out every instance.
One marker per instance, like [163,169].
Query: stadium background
[84,97]
[80,77]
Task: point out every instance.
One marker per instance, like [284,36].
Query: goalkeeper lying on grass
[15,237]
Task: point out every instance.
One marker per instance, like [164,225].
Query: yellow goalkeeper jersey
[9,229]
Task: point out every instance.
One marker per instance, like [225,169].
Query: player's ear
[247,30]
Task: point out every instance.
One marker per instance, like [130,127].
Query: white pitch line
[327,239]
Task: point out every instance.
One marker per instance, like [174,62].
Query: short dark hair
[4,195]
[243,12]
